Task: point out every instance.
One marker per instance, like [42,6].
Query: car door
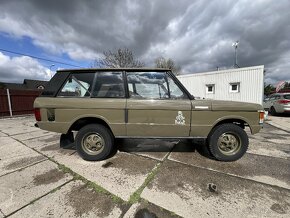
[156,106]
[266,103]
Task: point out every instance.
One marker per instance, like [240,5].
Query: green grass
[135,197]
[91,184]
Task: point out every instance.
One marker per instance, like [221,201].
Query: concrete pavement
[281,122]
[145,178]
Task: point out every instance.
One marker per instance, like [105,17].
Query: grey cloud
[197,34]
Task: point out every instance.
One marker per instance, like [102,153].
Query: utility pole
[50,70]
[235,45]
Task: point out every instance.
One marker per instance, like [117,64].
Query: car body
[277,103]
[139,103]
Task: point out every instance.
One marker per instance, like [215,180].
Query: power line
[40,58]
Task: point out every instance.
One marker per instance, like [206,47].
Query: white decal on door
[180,119]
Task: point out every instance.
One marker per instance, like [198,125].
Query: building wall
[250,79]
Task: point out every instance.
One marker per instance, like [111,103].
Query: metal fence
[17,102]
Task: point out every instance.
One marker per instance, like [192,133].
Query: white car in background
[277,103]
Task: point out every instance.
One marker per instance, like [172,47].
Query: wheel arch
[239,121]
[80,122]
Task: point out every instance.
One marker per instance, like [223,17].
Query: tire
[94,142]
[273,111]
[228,142]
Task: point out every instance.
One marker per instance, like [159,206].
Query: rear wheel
[228,142]
[94,142]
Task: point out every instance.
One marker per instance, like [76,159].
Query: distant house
[241,84]
[27,84]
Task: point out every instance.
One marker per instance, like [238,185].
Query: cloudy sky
[198,35]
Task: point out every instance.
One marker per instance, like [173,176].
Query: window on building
[210,88]
[234,87]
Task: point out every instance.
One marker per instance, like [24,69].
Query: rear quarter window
[78,85]
[286,96]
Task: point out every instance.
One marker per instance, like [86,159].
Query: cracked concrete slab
[270,149]
[121,175]
[3,134]
[282,122]
[19,125]
[53,150]
[147,209]
[31,135]
[22,187]
[74,199]
[11,131]
[195,192]
[48,145]
[250,166]
[152,148]
[14,155]
[42,141]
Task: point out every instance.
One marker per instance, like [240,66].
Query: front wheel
[228,142]
[94,142]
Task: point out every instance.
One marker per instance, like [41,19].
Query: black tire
[228,142]
[102,133]
[273,111]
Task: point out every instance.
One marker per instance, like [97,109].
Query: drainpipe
[9,102]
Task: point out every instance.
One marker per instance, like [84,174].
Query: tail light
[261,116]
[37,114]
[284,101]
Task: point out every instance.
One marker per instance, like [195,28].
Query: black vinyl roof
[114,69]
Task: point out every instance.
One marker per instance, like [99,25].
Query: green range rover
[104,104]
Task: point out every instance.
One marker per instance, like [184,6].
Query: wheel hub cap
[93,143]
[229,144]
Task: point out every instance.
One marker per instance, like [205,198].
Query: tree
[123,57]
[2,85]
[268,89]
[161,62]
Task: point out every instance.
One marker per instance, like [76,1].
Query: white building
[240,84]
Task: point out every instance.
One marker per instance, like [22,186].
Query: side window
[109,85]
[147,85]
[175,91]
[78,85]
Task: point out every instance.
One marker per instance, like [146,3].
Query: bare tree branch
[161,62]
[119,59]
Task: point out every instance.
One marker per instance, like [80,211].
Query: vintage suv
[104,104]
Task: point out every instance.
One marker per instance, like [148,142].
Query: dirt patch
[186,180]
[278,208]
[23,162]
[51,176]
[84,200]
[131,164]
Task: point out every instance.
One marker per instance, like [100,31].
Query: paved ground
[145,178]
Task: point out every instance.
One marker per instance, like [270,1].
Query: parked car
[277,103]
[104,104]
